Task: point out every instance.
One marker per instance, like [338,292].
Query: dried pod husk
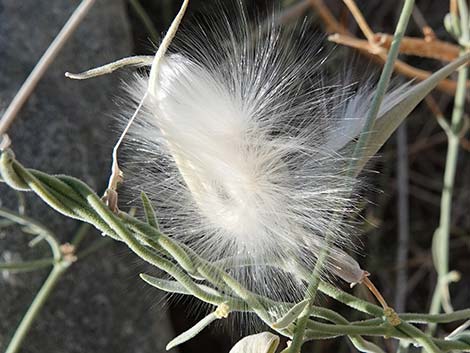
[345,267]
[264,342]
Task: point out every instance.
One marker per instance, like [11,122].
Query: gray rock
[100,305]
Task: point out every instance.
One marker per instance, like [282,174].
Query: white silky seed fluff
[242,148]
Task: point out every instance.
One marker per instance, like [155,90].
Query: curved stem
[442,233]
[36,306]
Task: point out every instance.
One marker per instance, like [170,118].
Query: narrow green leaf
[389,121]
[175,287]
[192,332]
[149,211]
[291,315]
[461,337]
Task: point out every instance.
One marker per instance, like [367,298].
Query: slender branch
[401,67]
[435,49]
[343,36]
[442,233]
[35,307]
[360,20]
[330,22]
[116,173]
[60,265]
[26,266]
[384,80]
[42,65]
[248,300]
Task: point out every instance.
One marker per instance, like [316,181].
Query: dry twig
[28,86]
[377,44]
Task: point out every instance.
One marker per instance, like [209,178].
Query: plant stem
[385,76]
[36,306]
[48,57]
[382,85]
[122,227]
[442,233]
[26,266]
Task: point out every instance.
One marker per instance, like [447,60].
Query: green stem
[95,246]
[437,318]
[442,233]
[419,336]
[60,266]
[36,306]
[382,86]
[27,266]
[82,231]
[99,215]
[193,263]
[384,80]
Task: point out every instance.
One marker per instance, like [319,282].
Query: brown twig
[428,32]
[331,25]
[360,20]
[401,67]
[344,37]
[434,49]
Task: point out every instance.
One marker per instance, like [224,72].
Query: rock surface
[100,304]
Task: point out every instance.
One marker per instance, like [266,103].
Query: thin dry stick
[369,34]
[42,65]
[330,22]
[155,70]
[435,49]
[401,67]
[116,174]
[360,20]
[344,37]
[418,17]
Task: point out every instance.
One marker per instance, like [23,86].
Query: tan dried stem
[378,51]
[435,49]
[401,67]
[329,21]
[389,313]
[360,20]
[48,57]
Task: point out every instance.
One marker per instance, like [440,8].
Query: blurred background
[101,305]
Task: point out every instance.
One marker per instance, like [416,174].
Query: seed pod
[264,342]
